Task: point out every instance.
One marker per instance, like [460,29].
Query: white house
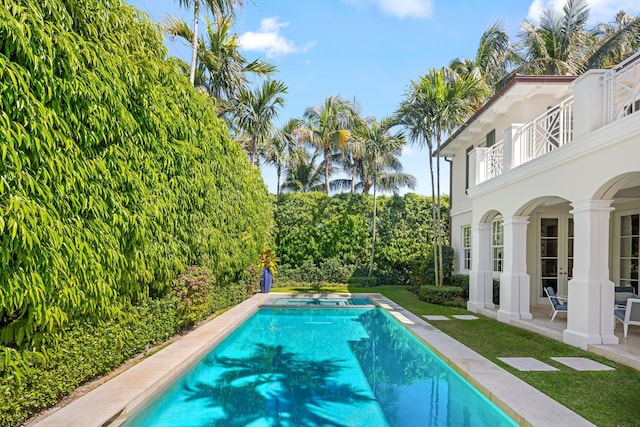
[546,192]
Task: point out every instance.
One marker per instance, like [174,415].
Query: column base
[581,340]
[474,306]
[505,316]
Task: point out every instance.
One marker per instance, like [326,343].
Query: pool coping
[111,403]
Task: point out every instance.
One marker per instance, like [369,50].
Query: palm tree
[379,149]
[283,146]
[436,104]
[304,173]
[493,59]
[254,115]
[617,41]
[328,128]
[563,45]
[222,71]
[217,7]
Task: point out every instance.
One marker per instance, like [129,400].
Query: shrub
[441,295]
[423,272]
[364,281]
[334,270]
[461,281]
[192,291]
[398,276]
[84,351]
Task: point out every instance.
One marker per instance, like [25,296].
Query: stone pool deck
[112,402]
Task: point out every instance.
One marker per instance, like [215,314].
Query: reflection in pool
[321,367]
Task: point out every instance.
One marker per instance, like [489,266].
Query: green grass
[606,398]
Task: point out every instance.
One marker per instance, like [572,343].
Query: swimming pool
[321,367]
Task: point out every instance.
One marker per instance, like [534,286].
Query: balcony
[601,97]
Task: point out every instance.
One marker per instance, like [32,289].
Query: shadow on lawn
[276,386]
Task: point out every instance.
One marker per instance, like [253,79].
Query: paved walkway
[110,403]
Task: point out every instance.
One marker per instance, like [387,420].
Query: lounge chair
[623,293]
[629,314]
[557,306]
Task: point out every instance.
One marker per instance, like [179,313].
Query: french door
[555,256]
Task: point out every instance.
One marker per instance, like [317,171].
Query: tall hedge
[312,227]
[115,173]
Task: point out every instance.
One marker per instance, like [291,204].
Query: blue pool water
[321,302]
[321,367]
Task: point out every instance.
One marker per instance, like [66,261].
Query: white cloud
[600,10]
[269,40]
[406,8]
[408,151]
[399,8]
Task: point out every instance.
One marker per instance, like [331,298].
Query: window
[466,177]
[491,138]
[629,253]
[497,243]
[466,247]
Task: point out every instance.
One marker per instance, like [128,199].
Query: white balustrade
[622,89]
[494,162]
[545,133]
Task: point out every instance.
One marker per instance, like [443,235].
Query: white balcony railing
[545,133]
[494,159]
[622,89]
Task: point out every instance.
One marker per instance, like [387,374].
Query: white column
[514,281]
[481,275]
[591,294]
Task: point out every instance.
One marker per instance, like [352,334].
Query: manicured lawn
[606,398]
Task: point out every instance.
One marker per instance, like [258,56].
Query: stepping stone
[582,364]
[435,317]
[465,316]
[527,364]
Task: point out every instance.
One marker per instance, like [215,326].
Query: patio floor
[627,352]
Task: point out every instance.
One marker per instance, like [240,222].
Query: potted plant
[268,264]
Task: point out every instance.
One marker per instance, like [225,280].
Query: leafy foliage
[443,295]
[85,351]
[115,172]
[192,290]
[325,238]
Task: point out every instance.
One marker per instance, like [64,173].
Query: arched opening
[624,263]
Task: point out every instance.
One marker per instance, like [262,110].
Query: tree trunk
[194,42]
[373,240]
[278,173]
[439,213]
[327,154]
[353,178]
[434,216]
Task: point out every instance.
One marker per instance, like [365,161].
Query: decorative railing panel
[494,160]
[545,133]
[622,89]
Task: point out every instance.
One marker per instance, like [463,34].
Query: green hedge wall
[312,228]
[115,173]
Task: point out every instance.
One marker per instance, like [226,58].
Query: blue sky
[369,50]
